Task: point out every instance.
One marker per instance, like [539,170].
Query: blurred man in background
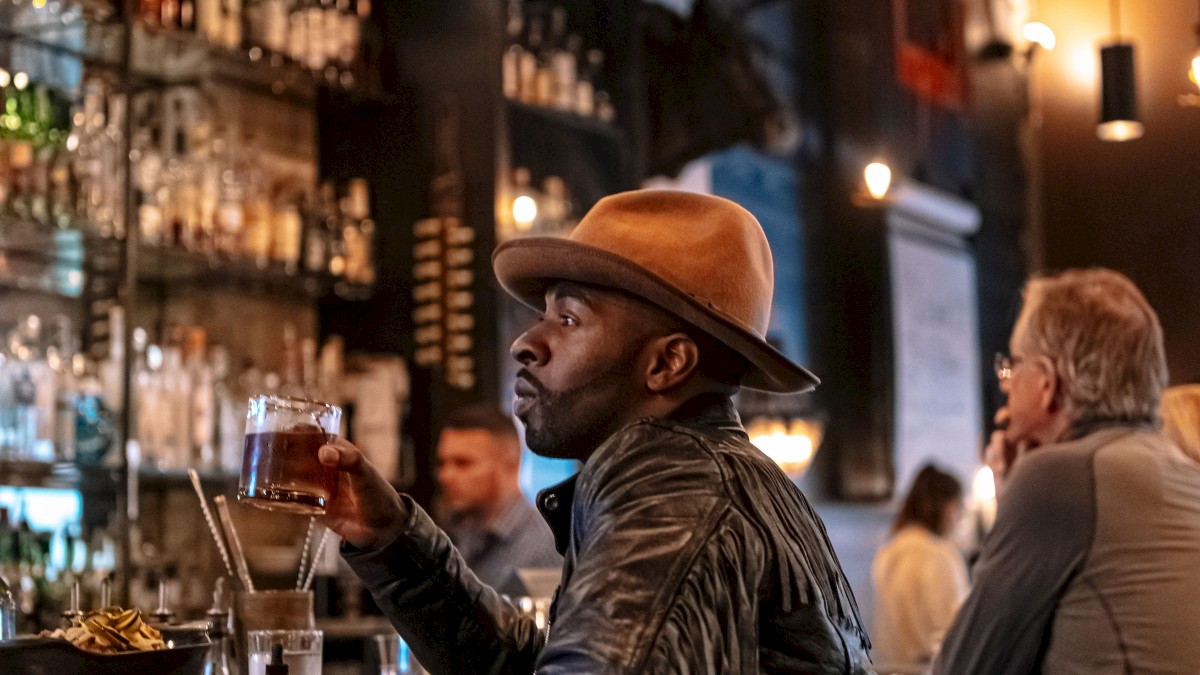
[1091,565]
[495,529]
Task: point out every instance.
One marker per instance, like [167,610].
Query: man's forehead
[586,293]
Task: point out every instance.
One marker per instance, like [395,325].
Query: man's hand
[1003,451]
[366,505]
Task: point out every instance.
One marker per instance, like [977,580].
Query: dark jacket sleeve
[453,623]
[1041,538]
[644,589]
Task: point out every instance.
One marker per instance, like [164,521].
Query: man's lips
[526,389]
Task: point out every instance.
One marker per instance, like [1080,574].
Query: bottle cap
[277,666]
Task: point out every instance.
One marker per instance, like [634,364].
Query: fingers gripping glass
[1004,365]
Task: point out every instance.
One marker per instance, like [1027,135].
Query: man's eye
[568,320]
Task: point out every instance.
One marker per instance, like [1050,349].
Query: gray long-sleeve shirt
[1093,565]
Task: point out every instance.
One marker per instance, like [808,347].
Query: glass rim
[286,631]
[295,404]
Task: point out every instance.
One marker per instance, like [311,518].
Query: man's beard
[571,424]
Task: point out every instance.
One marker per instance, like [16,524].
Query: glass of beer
[280,469]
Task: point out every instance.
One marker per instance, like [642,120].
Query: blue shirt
[518,538]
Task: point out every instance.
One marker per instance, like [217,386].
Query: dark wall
[1131,206]
[855,110]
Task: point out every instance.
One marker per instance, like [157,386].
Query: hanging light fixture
[1118,91]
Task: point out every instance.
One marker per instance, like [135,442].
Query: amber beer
[280,468]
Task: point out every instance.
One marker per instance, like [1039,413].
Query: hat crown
[707,247]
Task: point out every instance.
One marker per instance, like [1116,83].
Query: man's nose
[528,350]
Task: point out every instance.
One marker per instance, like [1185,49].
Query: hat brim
[527,267]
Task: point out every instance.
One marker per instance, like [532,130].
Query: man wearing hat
[685,548]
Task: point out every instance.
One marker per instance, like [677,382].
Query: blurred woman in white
[920,577]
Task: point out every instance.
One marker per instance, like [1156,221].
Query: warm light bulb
[38,4]
[879,179]
[1039,33]
[20,81]
[1119,130]
[524,211]
[983,487]
[1194,73]
[5,78]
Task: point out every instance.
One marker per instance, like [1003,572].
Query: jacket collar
[709,410]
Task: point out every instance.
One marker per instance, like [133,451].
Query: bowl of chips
[110,640]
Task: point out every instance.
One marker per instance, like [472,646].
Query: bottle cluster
[40,568]
[546,64]
[54,402]
[323,36]
[61,165]
[206,189]
[189,399]
[527,210]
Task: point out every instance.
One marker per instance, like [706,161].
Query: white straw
[312,522]
[316,560]
[235,544]
[212,525]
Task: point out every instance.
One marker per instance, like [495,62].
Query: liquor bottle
[334,240]
[230,213]
[149,12]
[528,70]
[297,35]
[181,214]
[200,388]
[148,173]
[94,424]
[145,392]
[332,32]
[227,414]
[292,386]
[256,236]
[8,610]
[286,226]
[316,240]
[545,79]
[274,26]
[177,407]
[349,34]
[358,232]
[231,33]
[513,51]
[60,359]
[314,50]
[585,88]
[209,19]
[566,73]
[220,657]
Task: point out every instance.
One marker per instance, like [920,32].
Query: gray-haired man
[1092,565]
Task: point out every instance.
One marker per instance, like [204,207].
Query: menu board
[936,340]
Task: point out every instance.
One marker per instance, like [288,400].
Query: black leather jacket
[686,551]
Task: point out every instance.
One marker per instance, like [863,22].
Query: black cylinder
[1118,95]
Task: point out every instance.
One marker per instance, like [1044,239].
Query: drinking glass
[280,469]
[302,650]
[394,657]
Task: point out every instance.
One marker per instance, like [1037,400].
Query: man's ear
[673,359]
[1050,395]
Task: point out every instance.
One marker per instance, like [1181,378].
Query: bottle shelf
[96,45]
[167,268]
[163,57]
[522,114]
[102,478]
[56,262]
[59,262]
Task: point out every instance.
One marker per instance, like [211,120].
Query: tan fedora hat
[702,258]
